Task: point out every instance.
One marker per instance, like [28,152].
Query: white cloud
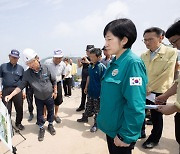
[92,23]
[116,10]
[88,29]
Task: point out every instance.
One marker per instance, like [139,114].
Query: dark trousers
[113,149]
[29,97]
[92,105]
[83,95]
[49,103]
[157,121]
[177,126]
[59,99]
[67,82]
[18,103]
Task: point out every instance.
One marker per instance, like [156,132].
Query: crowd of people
[116,86]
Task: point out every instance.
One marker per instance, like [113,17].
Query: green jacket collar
[124,54]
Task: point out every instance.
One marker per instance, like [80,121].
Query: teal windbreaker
[122,98]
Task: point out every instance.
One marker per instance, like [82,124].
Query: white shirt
[68,71]
[58,70]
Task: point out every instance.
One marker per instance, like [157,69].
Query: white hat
[29,54]
[58,53]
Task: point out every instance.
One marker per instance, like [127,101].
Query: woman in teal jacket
[123,91]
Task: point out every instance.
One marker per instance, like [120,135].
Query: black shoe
[94,128]
[20,126]
[83,119]
[41,134]
[80,109]
[91,114]
[31,116]
[51,129]
[149,145]
[57,119]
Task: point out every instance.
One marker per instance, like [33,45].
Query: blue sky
[46,25]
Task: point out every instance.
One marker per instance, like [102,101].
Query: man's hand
[7,98]
[24,95]
[54,95]
[120,143]
[85,90]
[0,94]
[148,93]
[167,109]
[86,60]
[161,99]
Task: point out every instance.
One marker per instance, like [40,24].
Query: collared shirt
[160,69]
[154,53]
[58,70]
[122,99]
[68,71]
[96,73]
[41,82]
[106,62]
[11,75]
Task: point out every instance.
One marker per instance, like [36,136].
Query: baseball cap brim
[14,55]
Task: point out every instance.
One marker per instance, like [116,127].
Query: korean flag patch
[135,81]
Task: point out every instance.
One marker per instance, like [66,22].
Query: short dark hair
[174,29]
[96,51]
[157,30]
[122,28]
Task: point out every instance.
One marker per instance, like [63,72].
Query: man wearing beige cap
[57,67]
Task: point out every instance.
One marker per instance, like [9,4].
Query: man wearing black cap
[11,75]
[84,63]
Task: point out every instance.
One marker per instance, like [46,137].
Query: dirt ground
[75,138]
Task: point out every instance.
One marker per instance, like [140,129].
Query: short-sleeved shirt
[96,73]
[58,69]
[68,71]
[11,75]
[85,70]
[41,82]
[123,96]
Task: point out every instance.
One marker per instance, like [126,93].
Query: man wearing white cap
[44,86]
[57,67]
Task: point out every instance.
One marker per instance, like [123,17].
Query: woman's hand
[120,143]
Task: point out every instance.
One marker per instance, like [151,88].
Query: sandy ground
[75,138]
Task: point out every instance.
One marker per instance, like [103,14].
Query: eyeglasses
[148,40]
[174,42]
